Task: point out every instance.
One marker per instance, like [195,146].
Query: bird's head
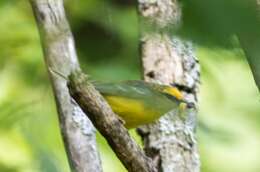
[175,95]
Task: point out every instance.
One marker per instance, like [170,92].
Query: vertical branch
[60,55]
[168,60]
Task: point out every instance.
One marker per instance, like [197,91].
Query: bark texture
[166,59]
[109,125]
[60,55]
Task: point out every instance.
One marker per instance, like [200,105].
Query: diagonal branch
[106,121]
[60,55]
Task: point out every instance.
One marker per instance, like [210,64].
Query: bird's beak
[190,105]
[186,105]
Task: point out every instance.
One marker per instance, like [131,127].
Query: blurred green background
[106,34]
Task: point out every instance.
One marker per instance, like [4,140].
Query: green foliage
[215,22]
[106,34]
[5,168]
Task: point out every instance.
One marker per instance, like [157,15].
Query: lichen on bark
[167,59]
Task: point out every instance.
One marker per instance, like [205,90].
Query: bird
[139,102]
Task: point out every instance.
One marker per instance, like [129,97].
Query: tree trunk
[60,56]
[168,60]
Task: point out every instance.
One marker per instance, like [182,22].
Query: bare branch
[109,125]
[60,55]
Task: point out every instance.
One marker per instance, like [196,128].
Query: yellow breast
[132,111]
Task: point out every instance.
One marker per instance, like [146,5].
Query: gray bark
[60,55]
[171,140]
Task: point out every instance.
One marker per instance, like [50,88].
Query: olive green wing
[137,90]
[131,89]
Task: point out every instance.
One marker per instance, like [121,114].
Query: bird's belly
[132,111]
